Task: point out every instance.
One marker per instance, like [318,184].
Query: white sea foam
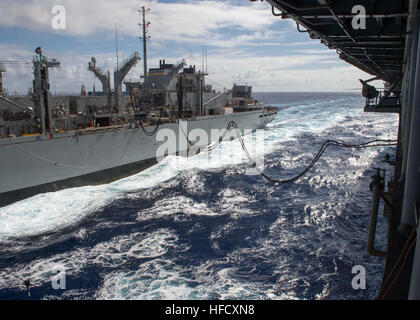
[164,280]
[112,253]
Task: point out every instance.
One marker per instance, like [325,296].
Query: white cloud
[312,71]
[186,21]
[231,59]
[301,72]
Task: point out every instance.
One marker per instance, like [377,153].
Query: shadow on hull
[96,178]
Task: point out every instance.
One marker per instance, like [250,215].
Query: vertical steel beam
[412,179]
[377,188]
[40,105]
[409,102]
[414,293]
[47,98]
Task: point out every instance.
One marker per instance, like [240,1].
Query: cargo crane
[41,94]
[9,63]
[104,78]
[119,76]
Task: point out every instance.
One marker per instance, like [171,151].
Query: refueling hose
[324,147]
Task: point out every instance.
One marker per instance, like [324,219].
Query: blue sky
[246,44]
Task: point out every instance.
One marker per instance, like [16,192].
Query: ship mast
[145,28]
[2,69]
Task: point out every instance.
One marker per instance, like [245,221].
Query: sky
[245,43]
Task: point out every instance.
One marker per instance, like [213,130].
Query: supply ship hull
[44,163]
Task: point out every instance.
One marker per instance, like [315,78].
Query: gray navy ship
[50,142]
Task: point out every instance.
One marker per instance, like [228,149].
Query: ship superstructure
[49,142]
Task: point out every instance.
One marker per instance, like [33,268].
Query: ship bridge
[381,38]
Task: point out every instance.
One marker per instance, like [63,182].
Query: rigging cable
[401,268]
[406,249]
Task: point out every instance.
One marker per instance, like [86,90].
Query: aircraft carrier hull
[45,163]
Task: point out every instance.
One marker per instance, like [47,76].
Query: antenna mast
[145,26]
[116,45]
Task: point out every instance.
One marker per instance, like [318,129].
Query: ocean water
[199,229]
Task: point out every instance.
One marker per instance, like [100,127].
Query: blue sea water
[185,229]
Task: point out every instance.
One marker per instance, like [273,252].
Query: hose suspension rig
[153,132]
[137,106]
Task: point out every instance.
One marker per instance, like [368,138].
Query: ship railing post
[377,187]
